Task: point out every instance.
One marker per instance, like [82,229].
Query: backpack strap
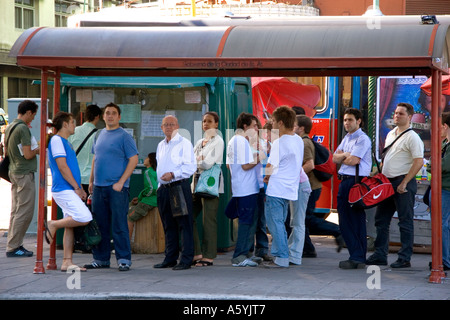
[85,140]
[386,149]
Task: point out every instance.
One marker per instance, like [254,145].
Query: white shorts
[72,205]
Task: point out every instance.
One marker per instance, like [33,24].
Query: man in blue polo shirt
[354,150]
[66,187]
[115,157]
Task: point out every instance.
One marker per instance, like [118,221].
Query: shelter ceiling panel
[125,42]
[328,41]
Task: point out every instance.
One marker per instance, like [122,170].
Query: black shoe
[20,252]
[373,260]
[312,254]
[181,266]
[340,243]
[95,265]
[165,264]
[351,264]
[266,257]
[400,263]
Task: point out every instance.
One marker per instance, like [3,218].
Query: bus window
[142,110]
[321,82]
[345,92]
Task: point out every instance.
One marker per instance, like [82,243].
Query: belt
[344,176]
[173,184]
[397,178]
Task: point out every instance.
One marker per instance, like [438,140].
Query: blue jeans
[247,226]
[310,207]
[110,209]
[446,227]
[404,205]
[276,212]
[296,239]
[262,241]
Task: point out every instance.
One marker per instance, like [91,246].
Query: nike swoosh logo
[378,195]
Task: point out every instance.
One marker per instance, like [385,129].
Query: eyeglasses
[169,125]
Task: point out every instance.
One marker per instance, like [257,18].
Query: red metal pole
[39,267]
[437,272]
[51,265]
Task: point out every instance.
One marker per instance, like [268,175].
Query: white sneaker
[246,263]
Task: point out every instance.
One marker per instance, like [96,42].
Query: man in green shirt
[22,149]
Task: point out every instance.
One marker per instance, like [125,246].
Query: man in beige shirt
[401,163]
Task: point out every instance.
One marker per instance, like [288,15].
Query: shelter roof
[313,47]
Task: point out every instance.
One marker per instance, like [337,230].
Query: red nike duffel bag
[370,192]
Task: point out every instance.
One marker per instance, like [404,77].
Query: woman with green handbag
[207,184]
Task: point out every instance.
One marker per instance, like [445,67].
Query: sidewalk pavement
[316,279]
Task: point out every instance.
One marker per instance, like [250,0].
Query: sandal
[203,263]
[74,267]
[47,233]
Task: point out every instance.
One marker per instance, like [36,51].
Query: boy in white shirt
[244,187]
[283,177]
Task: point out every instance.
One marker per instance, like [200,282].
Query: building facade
[15,17]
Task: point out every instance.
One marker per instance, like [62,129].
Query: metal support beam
[437,272]
[51,265]
[39,267]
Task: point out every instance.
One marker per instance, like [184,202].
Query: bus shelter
[364,46]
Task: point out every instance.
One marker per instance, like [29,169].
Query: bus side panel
[324,130]
[321,133]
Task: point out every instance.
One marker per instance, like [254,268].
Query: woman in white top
[208,151]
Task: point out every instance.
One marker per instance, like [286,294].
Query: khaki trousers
[23,192]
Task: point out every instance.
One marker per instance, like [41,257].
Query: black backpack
[324,167]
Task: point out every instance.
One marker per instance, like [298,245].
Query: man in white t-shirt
[244,188]
[283,178]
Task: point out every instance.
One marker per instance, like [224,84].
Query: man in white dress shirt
[176,164]
[353,153]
